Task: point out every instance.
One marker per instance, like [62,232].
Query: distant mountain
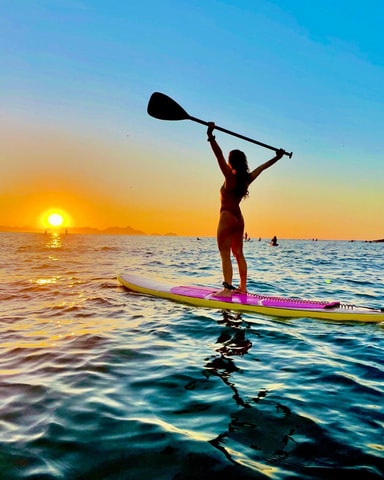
[85,230]
[107,231]
[88,230]
[122,231]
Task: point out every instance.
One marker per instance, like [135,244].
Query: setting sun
[55,219]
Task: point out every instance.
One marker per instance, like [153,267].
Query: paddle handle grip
[224,130]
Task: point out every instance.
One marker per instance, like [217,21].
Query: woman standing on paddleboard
[230,230]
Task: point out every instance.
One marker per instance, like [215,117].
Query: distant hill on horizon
[109,230]
[84,230]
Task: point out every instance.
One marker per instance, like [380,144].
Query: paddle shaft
[165,108]
[234,134]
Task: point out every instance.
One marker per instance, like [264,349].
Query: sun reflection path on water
[54,240]
[60,307]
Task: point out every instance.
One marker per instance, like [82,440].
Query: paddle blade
[164,108]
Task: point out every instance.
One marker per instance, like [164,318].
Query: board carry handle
[162,107]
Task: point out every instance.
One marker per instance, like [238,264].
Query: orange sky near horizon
[107,182]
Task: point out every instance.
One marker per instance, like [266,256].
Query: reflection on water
[232,342]
[267,439]
[232,338]
[54,240]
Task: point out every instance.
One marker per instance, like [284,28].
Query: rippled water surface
[100,383]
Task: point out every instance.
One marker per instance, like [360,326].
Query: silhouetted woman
[230,230]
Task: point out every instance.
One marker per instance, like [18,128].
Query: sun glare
[55,219]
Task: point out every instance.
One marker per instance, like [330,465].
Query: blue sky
[307,76]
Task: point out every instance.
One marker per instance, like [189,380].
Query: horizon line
[128,230]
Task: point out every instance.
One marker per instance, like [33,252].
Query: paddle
[164,108]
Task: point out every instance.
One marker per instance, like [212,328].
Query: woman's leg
[237,250]
[227,225]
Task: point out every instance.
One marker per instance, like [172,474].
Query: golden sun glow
[55,219]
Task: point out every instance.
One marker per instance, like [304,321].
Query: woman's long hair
[238,161]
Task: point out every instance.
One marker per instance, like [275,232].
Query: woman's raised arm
[224,167]
[256,172]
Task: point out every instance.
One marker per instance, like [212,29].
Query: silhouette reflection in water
[259,430]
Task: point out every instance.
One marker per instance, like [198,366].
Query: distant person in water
[273,242]
[230,230]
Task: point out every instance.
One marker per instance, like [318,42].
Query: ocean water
[100,383]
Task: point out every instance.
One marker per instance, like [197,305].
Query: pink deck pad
[252,299]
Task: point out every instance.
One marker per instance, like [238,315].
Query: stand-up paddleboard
[251,303]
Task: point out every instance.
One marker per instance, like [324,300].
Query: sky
[75,136]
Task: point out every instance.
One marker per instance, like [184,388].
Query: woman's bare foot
[224,293]
[239,290]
